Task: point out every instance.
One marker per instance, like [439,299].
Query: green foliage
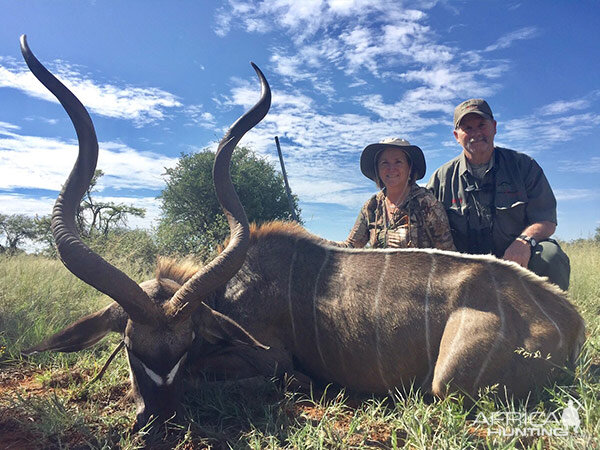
[43,235]
[192,220]
[127,248]
[15,229]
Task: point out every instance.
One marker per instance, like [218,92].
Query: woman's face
[393,168]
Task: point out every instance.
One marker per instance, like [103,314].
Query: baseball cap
[474,105]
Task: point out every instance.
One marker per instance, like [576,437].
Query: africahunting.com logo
[537,423]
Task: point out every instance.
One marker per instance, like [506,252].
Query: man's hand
[519,251]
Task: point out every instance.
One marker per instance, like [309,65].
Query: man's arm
[520,251]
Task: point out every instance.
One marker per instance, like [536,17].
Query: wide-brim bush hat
[369,155]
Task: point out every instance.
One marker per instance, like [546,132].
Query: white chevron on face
[168,380]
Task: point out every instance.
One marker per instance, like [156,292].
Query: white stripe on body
[427,325]
[560,334]
[501,331]
[380,284]
[317,339]
[290,306]
[344,304]
[453,345]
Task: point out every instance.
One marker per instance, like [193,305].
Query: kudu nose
[155,419]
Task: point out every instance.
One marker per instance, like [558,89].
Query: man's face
[476,136]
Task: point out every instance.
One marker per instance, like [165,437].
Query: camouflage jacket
[420,221]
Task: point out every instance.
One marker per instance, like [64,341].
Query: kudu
[369,320]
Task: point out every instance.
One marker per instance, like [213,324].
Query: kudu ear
[216,327]
[85,332]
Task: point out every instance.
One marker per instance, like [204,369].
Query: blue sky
[161,78]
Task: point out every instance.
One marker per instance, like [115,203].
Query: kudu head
[159,319]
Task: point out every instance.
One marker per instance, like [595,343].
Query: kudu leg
[479,349]
[473,353]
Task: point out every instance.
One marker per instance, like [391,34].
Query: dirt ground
[19,426]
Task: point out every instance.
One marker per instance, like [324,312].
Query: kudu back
[369,320]
[375,320]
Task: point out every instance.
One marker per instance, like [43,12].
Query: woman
[402,214]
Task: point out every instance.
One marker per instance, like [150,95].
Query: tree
[94,217]
[15,229]
[97,222]
[43,235]
[192,221]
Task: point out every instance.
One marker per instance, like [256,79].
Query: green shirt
[521,196]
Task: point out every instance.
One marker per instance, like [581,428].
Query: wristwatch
[531,241]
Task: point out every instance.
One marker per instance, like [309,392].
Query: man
[498,201]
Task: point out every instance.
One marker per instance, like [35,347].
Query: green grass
[48,401]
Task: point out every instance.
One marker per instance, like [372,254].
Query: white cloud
[197,116]
[408,111]
[363,47]
[357,82]
[562,107]
[42,119]
[23,204]
[592,165]
[141,105]
[128,168]
[552,124]
[381,38]
[5,126]
[507,40]
[576,194]
[320,32]
[447,83]
[222,23]
[305,18]
[44,163]
[289,66]
[536,133]
[245,94]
